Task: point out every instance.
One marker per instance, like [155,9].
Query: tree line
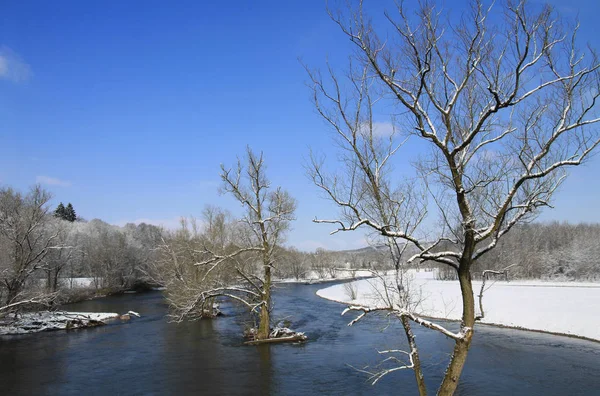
[41,252]
[553,251]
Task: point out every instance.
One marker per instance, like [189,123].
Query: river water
[150,356]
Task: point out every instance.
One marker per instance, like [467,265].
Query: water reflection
[30,367]
[266,368]
[149,355]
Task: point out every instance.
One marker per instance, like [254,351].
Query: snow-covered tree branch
[501,102]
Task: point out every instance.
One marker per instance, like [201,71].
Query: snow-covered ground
[33,322]
[77,282]
[72,283]
[314,277]
[571,308]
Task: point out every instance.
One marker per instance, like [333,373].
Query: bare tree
[293,264]
[176,269]
[25,238]
[252,253]
[321,262]
[217,232]
[63,254]
[141,240]
[563,251]
[504,101]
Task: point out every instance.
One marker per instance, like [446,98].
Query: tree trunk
[414,356]
[49,280]
[13,291]
[208,308]
[55,280]
[461,348]
[264,326]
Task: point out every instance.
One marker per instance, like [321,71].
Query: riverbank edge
[81,295]
[497,325]
[37,322]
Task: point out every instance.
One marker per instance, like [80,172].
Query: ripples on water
[151,356]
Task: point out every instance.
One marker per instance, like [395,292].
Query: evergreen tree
[60,211]
[70,213]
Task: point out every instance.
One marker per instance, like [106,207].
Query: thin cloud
[52,181]
[13,67]
[380,129]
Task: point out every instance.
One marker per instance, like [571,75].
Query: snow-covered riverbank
[34,322]
[571,308]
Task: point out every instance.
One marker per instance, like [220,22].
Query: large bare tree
[500,101]
[242,267]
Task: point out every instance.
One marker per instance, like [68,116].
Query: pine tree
[60,211]
[70,213]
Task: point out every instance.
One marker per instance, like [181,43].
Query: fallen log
[294,338]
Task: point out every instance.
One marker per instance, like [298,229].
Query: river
[150,356]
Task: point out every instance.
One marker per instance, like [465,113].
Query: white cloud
[12,66]
[52,181]
[383,128]
[380,129]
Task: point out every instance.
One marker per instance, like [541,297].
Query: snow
[94,315]
[77,282]
[569,308]
[313,276]
[72,283]
[283,332]
[33,322]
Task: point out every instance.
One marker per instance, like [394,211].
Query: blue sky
[126,109]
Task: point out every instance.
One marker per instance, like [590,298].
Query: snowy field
[314,277]
[72,283]
[571,308]
[77,282]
